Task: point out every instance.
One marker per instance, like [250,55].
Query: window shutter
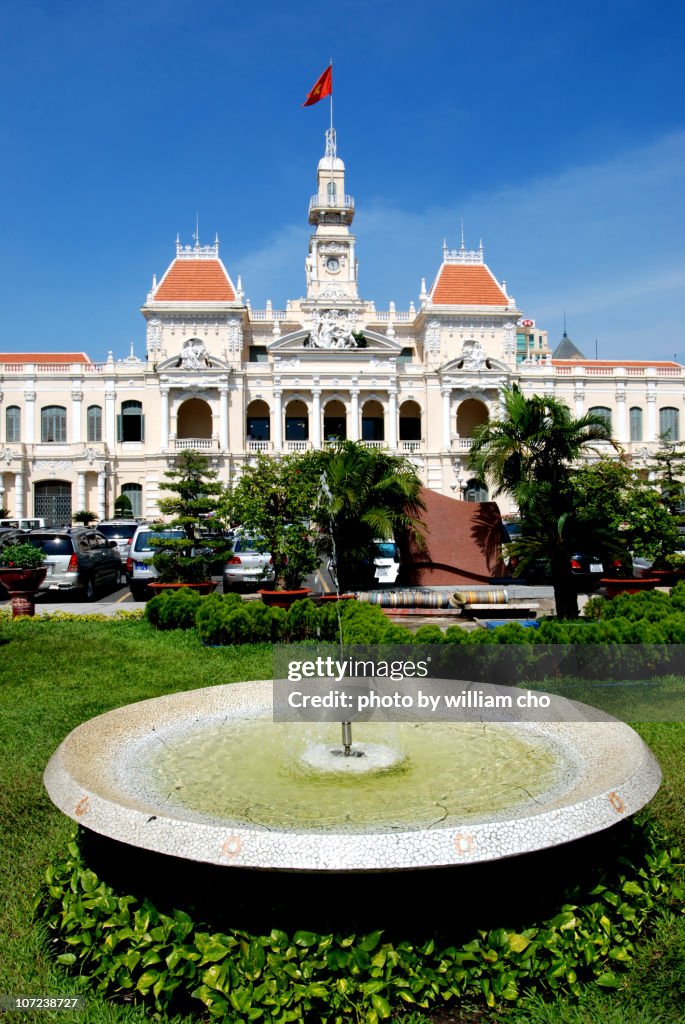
[142,427]
[120,427]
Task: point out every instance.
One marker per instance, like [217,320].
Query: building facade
[231,381]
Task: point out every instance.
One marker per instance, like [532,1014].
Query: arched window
[331,193]
[53,424]
[134,493]
[636,423]
[669,423]
[131,422]
[13,423]
[94,423]
[373,425]
[603,412]
[476,491]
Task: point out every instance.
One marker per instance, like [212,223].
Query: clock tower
[331,265]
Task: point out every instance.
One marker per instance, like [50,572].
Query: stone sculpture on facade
[332,330]
[474,356]
[193,355]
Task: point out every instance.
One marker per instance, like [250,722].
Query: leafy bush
[304,621]
[22,556]
[131,950]
[175,609]
[362,623]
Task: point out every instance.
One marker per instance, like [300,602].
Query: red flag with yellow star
[322,88]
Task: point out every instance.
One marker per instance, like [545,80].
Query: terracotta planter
[614,587]
[22,586]
[283,598]
[204,587]
[667,577]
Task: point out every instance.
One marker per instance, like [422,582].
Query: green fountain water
[284,776]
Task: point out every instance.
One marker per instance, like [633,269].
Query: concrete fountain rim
[82,779]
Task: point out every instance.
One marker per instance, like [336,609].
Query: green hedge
[130,950]
[642,619]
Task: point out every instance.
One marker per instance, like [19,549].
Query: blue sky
[555,131]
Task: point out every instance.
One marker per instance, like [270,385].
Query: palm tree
[364,494]
[529,454]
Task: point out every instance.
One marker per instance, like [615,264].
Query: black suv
[77,559]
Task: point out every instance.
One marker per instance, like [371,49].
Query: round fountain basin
[208,776]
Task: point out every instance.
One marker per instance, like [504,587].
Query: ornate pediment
[474,360]
[371,343]
[193,358]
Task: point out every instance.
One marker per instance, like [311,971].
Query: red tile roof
[195,281]
[44,357]
[465,285]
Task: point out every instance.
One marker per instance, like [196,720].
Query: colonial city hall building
[231,381]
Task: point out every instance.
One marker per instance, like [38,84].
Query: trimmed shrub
[303,621]
[175,609]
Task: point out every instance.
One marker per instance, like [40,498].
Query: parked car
[249,565]
[139,568]
[77,559]
[23,524]
[120,530]
[386,561]
[381,568]
[587,569]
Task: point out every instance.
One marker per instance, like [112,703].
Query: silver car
[120,530]
[77,560]
[139,568]
[250,564]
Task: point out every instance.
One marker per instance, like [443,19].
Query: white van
[23,524]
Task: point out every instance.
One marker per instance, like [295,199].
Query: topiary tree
[194,498]
[123,507]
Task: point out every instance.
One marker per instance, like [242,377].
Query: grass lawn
[54,675]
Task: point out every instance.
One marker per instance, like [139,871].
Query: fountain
[207,775]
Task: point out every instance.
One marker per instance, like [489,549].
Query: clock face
[333,264]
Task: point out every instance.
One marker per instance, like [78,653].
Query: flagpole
[331,99]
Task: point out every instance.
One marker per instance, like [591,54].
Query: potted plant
[183,560]
[21,572]
[273,500]
[84,516]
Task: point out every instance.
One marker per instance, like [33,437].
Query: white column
[30,403]
[223,417]
[278,421]
[446,419]
[110,416]
[392,417]
[579,399]
[19,494]
[316,418]
[76,400]
[620,432]
[81,491]
[652,432]
[102,478]
[353,429]
[164,419]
